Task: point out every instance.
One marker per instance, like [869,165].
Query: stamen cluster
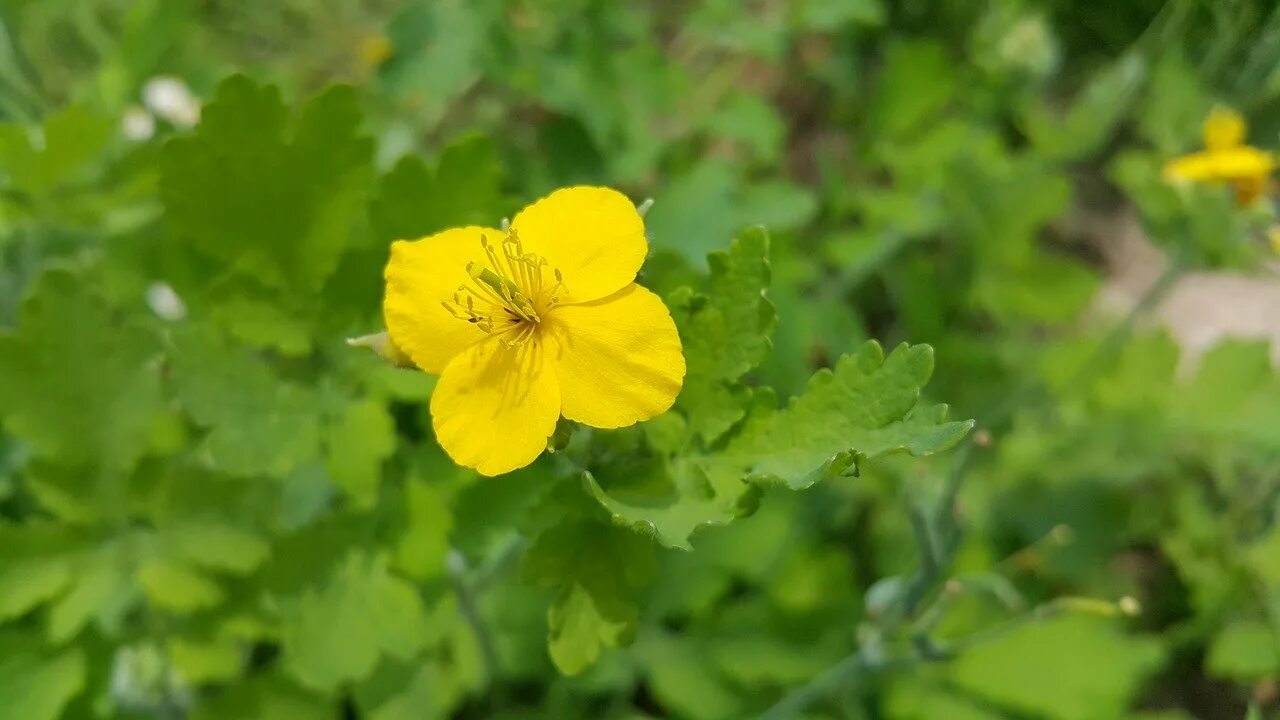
[508,293]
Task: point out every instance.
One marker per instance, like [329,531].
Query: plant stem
[930,564]
[470,609]
[848,672]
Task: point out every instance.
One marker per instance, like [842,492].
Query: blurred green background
[211,508]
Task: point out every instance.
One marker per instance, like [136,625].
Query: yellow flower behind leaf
[1225,159]
[525,326]
[375,50]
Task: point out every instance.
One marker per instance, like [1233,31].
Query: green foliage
[594,569]
[726,334]
[336,633]
[292,187]
[38,684]
[1093,672]
[75,384]
[212,508]
[258,424]
[67,143]
[865,407]
[414,201]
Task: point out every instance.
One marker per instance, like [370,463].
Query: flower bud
[382,346]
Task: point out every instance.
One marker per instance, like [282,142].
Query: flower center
[508,293]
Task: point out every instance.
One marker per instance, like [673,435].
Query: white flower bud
[164,302]
[381,345]
[171,99]
[138,124]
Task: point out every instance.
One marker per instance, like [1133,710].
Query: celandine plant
[225,511]
[543,320]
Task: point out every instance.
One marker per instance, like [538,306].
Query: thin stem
[1052,609]
[492,568]
[849,672]
[930,564]
[470,609]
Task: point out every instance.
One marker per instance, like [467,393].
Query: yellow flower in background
[528,325]
[1226,158]
[375,50]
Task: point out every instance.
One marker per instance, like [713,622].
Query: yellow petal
[1234,164]
[592,235]
[420,275]
[619,359]
[1223,129]
[495,406]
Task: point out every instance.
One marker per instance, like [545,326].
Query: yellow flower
[1225,159]
[375,50]
[527,325]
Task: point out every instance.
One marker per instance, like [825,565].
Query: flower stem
[470,610]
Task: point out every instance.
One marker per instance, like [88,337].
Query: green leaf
[867,406]
[918,80]
[205,660]
[35,684]
[670,500]
[358,441]
[778,205]
[421,551]
[909,700]
[335,634]
[752,121]
[217,545]
[81,387]
[34,567]
[1094,116]
[595,570]
[258,423]
[415,691]
[694,213]
[263,697]
[101,581]
[725,333]
[265,194]
[1234,396]
[755,660]
[486,510]
[264,324]
[465,188]
[439,51]
[829,15]
[1042,289]
[39,162]
[685,680]
[1244,651]
[1074,667]
[174,585]
[1175,105]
